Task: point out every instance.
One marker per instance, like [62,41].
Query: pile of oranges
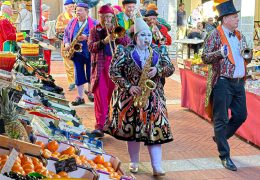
[25,165]
[98,163]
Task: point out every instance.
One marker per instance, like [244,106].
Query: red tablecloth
[193,97]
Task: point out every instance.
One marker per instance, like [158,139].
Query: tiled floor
[192,155]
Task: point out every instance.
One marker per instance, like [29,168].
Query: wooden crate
[23,147]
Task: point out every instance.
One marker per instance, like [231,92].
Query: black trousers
[228,94]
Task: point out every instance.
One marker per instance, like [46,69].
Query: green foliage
[8,110]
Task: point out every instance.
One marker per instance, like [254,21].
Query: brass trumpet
[117,32]
[246,52]
[158,35]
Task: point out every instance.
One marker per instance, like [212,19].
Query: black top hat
[226,8]
[129,1]
[151,13]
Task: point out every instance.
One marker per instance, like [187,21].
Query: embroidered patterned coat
[97,50]
[126,122]
[217,64]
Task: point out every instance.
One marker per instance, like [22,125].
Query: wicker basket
[28,49]
[7,60]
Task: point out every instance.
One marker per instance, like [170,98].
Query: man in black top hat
[225,88]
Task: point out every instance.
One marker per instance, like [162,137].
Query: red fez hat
[106,9]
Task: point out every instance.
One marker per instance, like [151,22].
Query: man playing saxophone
[141,61]
[62,22]
[101,49]
[81,60]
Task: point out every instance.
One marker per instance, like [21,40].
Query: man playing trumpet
[160,32]
[225,88]
[101,49]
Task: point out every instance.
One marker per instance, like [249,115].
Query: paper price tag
[10,161]
[67,165]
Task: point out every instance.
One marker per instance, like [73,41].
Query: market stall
[194,80]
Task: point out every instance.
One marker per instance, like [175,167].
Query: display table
[193,95]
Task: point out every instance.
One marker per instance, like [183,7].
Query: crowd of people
[123,59]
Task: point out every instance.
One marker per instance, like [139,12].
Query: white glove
[224,51]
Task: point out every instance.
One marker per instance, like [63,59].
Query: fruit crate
[7,60]
[90,155]
[23,147]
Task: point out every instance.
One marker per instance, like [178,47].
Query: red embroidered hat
[106,9]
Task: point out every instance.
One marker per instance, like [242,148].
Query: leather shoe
[98,133]
[133,167]
[159,172]
[228,164]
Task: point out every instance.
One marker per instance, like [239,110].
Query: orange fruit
[45,173]
[3,162]
[2,157]
[56,176]
[28,171]
[18,160]
[70,151]
[28,166]
[99,159]
[63,174]
[39,169]
[100,166]
[17,169]
[46,153]
[20,155]
[16,163]
[40,143]
[35,160]
[82,157]
[26,160]
[53,146]
[107,164]
[55,154]
[51,173]
[110,169]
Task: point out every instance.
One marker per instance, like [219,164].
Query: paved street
[192,155]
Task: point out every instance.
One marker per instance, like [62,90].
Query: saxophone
[145,84]
[75,46]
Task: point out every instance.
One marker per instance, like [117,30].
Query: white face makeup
[144,39]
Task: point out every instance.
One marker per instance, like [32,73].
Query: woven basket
[7,60]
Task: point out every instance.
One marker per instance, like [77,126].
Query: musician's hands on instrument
[135,90]
[66,46]
[152,72]
[82,37]
[106,40]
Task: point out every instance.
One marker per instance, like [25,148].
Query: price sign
[10,161]
[67,165]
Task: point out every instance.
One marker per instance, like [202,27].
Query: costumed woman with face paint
[148,124]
